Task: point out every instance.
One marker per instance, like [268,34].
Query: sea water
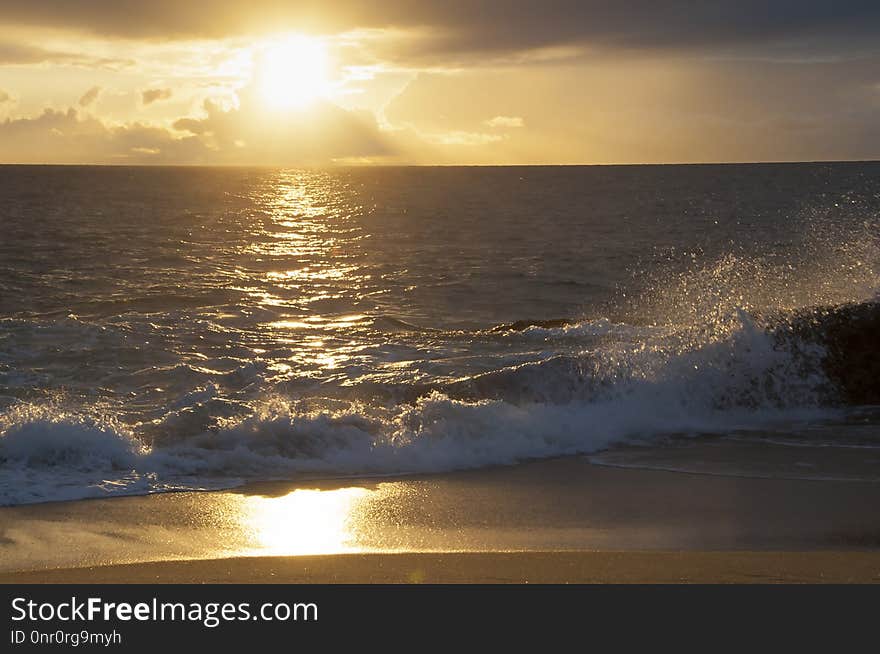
[182,328]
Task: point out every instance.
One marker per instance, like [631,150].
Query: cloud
[461,138]
[150,96]
[70,137]
[19,53]
[629,81]
[480,26]
[90,96]
[254,134]
[505,121]
[24,54]
[244,135]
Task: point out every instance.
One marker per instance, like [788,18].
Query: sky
[287,83]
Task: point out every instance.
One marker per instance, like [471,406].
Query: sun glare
[293,73]
[305,521]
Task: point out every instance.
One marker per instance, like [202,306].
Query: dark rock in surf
[850,334]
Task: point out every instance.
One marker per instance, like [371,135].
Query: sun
[293,72]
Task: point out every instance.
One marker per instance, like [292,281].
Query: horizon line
[773,162]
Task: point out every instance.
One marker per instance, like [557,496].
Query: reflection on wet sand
[305,521]
[336,519]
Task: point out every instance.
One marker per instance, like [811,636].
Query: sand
[561,520]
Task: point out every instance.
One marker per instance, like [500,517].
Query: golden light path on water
[305,272]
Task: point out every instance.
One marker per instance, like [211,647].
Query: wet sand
[548,521]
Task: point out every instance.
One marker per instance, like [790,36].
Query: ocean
[179,328]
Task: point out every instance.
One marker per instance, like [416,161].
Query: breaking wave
[621,390]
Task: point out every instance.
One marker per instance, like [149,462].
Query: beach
[551,521]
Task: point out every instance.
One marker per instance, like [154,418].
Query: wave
[654,382]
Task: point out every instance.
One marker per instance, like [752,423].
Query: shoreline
[558,520]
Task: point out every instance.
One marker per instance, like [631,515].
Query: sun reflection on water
[305,282]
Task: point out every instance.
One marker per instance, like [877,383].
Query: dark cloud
[661,24]
[4,97]
[89,96]
[149,96]
[462,26]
